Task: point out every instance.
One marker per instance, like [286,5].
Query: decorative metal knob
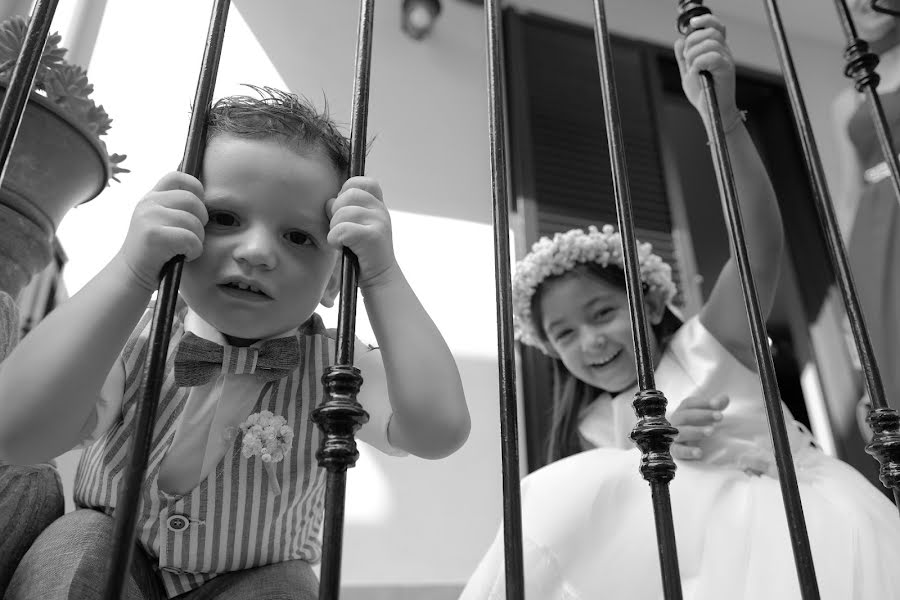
[885,445]
[339,417]
[654,435]
[687,10]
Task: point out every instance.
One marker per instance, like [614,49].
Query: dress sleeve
[742,438]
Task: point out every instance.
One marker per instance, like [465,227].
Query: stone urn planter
[58,162]
[55,165]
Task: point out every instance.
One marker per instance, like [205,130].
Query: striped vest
[230,521]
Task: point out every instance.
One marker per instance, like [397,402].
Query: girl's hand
[696,419]
[167,222]
[360,221]
[705,49]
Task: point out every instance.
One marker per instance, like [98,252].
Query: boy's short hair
[283,116]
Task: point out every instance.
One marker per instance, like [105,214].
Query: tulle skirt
[589,533]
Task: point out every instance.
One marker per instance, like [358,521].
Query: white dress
[588,524]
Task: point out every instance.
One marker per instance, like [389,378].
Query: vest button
[177,523]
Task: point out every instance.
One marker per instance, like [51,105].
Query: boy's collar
[194,323]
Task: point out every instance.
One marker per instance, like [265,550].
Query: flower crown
[554,257]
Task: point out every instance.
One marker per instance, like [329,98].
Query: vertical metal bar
[509,440]
[861,68]
[653,433]
[884,420]
[22,78]
[809,589]
[886,443]
[161,328]
[340,415]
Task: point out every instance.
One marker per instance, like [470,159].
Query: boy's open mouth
[243,289]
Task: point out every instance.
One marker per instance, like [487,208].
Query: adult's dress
[874,244]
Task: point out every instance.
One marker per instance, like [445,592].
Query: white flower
[551,257]
[268,437]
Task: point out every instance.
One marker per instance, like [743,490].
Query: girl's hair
[570,394]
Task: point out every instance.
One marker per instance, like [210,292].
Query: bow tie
[198,360]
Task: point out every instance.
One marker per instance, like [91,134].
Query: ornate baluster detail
[860,67]
[509,441]
[885,446]
[887,433]
[340,418]
[883,419]
[161,327]
[653,433]
[22,78]
[340,415]
[787,476]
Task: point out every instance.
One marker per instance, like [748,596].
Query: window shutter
[569,163]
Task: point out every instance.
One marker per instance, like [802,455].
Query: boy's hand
[696,419]
[705,49]
[167,222]
[360,221]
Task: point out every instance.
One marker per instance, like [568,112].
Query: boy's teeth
[245,286]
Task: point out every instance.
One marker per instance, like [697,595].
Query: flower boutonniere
[268,437]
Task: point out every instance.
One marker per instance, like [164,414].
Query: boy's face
[265,263]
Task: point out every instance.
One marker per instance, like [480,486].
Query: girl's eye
[602,313]
[562,335]
[222,219]
[299,238]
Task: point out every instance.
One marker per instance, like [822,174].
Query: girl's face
[588,326]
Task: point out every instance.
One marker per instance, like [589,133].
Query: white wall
[409,521]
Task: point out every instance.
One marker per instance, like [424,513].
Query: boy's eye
[299,238]
[222,219]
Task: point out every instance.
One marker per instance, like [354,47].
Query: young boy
[262,236]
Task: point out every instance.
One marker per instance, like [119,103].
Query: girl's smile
[605,361]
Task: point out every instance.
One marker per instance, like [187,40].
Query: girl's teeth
[243,286]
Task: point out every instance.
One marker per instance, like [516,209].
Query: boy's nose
[256,248]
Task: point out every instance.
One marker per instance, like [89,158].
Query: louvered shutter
[569,160]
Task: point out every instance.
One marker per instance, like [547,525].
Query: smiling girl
[587,519]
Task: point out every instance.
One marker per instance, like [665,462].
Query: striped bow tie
[198,360]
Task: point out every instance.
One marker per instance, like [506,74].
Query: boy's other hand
[360,221]
[705,49]
[696,419]
[167,222]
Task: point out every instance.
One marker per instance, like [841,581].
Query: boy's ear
[655,306]
[333,287]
